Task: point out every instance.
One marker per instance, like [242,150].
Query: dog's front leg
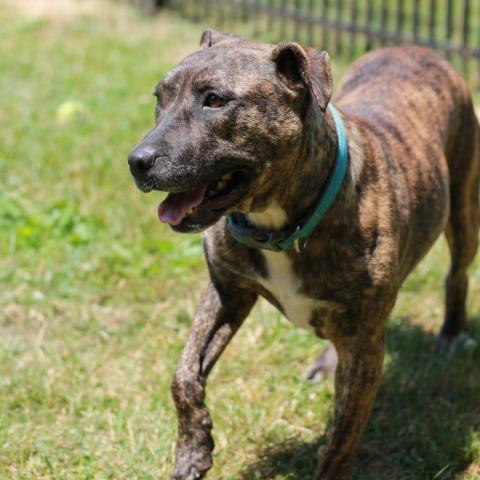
[218,317]
[356,383]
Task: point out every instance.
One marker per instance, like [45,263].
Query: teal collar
[247,234]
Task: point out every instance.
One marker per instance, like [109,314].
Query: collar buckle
[249,236]
[296,243]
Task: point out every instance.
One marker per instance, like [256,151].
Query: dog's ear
[305,68]
[212,37]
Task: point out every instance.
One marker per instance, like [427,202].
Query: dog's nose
[141,159]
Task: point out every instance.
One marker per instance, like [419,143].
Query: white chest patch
[284,286]
[282,282]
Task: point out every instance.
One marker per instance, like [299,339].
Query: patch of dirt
[54,9]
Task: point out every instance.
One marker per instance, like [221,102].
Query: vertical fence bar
[383,21]
[354,26]
[311,15]
[220,4]
[255,8]
[181,8]
[271,16]
[199,11]
[465,36]
[400,23]
[206,8]
[432,21]
[325,29]
[195,12]
[283,20]
[149,7]
[296,20]
[449,26]
[369,42]
[416,18]
[338,26]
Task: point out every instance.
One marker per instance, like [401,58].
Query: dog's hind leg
[462,228]
[324,366]
[220,314]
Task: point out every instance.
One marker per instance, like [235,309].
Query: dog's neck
[309,173]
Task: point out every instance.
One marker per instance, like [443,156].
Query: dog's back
[411,83]
[417,113]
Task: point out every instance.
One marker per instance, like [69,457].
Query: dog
[323,208]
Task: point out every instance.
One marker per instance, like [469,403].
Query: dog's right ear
[213,37]
[305,68]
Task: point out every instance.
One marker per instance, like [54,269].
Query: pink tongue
[175,207]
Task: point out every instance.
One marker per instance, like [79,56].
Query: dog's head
[230,124]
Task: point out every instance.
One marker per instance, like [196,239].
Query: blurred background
[346,28]
[96,297]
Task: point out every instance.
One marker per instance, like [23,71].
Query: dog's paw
[447,345]
[193,460]
[189,472]
[324,366]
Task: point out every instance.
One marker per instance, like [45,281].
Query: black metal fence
[149,7]
[347,28]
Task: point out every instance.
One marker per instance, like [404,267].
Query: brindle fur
[413,173]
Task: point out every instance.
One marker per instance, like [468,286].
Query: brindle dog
[245,127]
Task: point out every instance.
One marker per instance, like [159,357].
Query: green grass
[96,297]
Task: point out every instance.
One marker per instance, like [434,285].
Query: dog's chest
[285,286]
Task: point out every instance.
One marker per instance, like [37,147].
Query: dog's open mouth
[210,200]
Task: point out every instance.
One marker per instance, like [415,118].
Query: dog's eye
[214,101]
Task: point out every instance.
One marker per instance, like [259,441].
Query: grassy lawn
[96,297]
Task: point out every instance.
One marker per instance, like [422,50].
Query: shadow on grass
[425,423]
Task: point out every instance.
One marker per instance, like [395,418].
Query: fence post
[354,31]
[465,36]
[400,21]
[149,7]
[449,27]
[325,28]
[370,11]
[416,19]
[432,21]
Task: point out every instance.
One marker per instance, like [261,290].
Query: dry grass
[59,10]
